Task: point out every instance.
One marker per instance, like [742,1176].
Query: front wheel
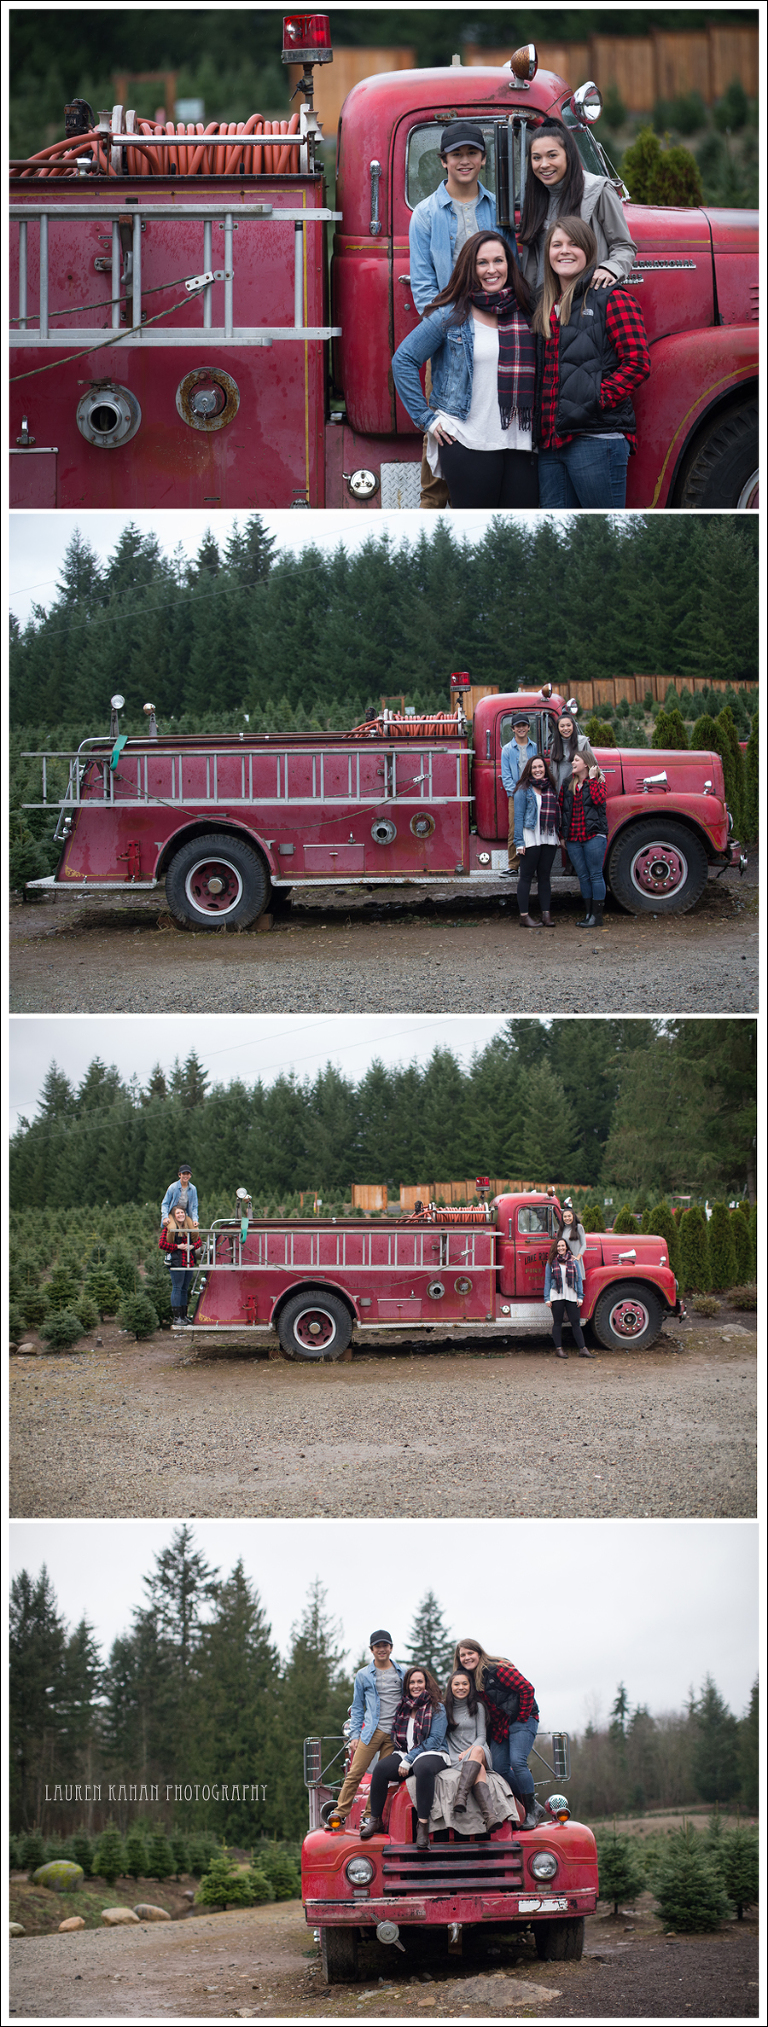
[722,468]
[559,1942]
[314,1325]
[657,868]
[338,1954]
[216,882]
[627,1317]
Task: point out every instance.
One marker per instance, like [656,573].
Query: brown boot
[547,922]
[467,1777]
[422,1836]
[485,1805]
[559,1353]
[372,1827]
[527,922]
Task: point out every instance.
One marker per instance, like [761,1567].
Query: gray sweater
[465,1731]
[602,208]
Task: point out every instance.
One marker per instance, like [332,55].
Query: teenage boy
[514,756]
[182,1192]
[378,1689]
[439,227]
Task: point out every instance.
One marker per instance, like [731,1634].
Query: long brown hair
[433,1690]
[526,780]
[485,1661]
[537,195]
[458,291]
[580,234]
[555,1243]
[471,1701]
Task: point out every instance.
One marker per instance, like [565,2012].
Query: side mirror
[587,104]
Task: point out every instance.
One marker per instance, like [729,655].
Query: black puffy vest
[585,359]
[595,813]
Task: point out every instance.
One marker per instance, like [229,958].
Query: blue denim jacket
[511,763]
[451,347]
[172,1195]
[435,1737]
[364,1715]
[579,1282]
[432,238]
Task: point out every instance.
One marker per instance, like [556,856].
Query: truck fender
[303,1286]
[197,828]
[696,811]
[606,1277]
[712,366]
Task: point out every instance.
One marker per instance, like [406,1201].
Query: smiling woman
[592,351]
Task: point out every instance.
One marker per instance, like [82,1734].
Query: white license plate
[541,1906]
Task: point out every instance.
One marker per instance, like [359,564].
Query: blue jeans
[509,1756]
[590,471]
[587,863]
[181,1282]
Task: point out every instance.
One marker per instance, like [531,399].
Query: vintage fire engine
[229,377]
[463,1889]
[232,824]
[313,1282]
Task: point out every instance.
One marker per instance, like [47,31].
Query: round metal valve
[436,1289]
[108,416]
[207,398]
[383,831]
[362,484]
[422,825]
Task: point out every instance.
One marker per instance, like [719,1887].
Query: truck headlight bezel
[359,1870]
[543,1865]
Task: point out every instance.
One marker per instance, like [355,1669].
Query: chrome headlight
[544,1865]
[359,1871]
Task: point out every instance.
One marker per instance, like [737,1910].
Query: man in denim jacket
[378,1689]
[439,226]
[514,757]
[182,1192]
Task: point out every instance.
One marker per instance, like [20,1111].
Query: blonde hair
[486,1661]
[190,1224]
[580,234]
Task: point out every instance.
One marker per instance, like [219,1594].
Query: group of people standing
[553,801]
[532,346]
[180,1241]
[476,1734]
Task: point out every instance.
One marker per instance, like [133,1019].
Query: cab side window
[424,171]
[536,1221]
[542,727]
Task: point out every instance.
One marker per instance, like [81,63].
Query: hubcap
[314,1328]
[629,1318]
[659,869]
[213,887]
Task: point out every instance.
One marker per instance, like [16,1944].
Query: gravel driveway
[143,1430]
[390,953]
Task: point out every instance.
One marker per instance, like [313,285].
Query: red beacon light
[307,38]
[461,679]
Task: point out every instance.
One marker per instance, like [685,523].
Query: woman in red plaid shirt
[584,832]
[512,1720]
[592,350]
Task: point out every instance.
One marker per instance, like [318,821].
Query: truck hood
[626,1250]
[687,771]
[733,231]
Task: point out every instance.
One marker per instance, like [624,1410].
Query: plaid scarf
[420,1709]
[517,355]
[549,815]
[569,1272]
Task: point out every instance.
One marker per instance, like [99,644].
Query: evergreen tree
[314,1700]
[669,731]
[138,1314]
[157,1286]
[751,806]
[663,1223]
[105,1291]
[429,1641]
[109,1861]
[733,766]
[82,1851]
[715,1755]
[31,1851]
[621,1874]
[223,1886]
[688,1889]
[260,1888]
[160,1860]
[722,1252]
[592,1218]
[742,1245]
[180,1854]
[749,1751]
[62,1329]
[694,1252]
[37,1646]
[625,1221]
[740,1869]
[280,1870]
[135,1860]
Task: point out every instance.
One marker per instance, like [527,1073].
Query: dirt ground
[263,1962]
[144,1430]
[442,952]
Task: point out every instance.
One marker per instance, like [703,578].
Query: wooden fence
[611,689]
[648,67]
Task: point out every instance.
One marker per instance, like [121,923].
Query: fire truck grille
[453,1867]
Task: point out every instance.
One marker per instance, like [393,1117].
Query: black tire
[657,868]
[338,1954]
[559,1942]
[724,459]
[628,1317]
[242,896]
[314,1325]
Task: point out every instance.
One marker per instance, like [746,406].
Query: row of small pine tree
[697,1880]
[708,734]
[144,1853]
[705,1254]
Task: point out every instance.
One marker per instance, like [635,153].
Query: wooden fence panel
[681,65]
[369,1196]
[734,52]
[628,62]
[648,67]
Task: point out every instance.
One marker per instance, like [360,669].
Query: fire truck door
[542,725]
[415,172]
[535,1226]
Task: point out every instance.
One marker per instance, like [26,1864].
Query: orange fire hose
[217,155]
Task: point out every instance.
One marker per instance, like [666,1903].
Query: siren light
[307,38]
[461,679]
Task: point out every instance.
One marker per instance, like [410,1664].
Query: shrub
[688,1889]
[260,1888]
[740,1869]
[743,1298]
[599,733]
[732,110]
[752,783]
[625,1221]
[663,1223]
[105,1291]
[27,856]
[138,1314]
[669,731]
[109,1860]
[224,1886]
[62,1329]
[685,114]
[82,1851]
[705,1305]
[722,1251]
[694,1251]
[620,1871]
[656,175]
[614,110]
[159,1856]
[742,1244]
[31,1851]
[136,1863]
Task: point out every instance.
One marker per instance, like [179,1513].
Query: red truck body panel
[695,276]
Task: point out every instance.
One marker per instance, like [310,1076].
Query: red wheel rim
[629,1318]
[213,887]
[659,869]
[315,1329]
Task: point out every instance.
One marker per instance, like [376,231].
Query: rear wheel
[559,1942]
[722,468]
[627,1317]
[657,868]
[338,1952]
[216,881]
[314,1325]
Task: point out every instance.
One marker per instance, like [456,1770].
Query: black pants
[490,478]
[537,861]
[566,1312]
[426,1769]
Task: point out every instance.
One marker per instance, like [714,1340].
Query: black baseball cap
[521,718]
[461,134]
[380,1635]
[185,1168]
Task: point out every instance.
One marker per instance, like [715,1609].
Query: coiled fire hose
[217,155]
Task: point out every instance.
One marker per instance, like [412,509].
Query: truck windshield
[591,157]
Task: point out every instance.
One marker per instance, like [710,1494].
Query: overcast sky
[578,1605]
[37,542]
[247,1046]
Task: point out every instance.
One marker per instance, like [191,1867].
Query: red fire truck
[232,824]
[313,1282]
[463,1889]
[232,377]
